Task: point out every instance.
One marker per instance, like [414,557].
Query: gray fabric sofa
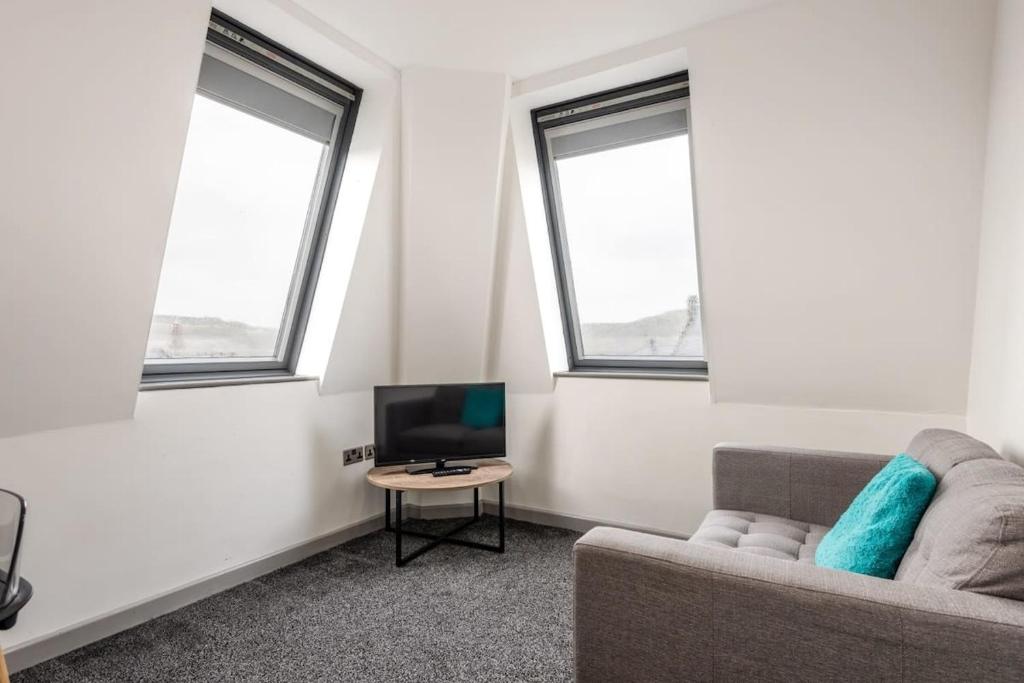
[743,601]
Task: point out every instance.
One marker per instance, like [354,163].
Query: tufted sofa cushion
[752,532]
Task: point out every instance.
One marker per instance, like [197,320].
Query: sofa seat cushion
[752,532]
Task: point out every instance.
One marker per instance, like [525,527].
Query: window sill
[686,376]
[200,383]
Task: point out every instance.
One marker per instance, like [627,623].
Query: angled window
[618,192]
[264,156]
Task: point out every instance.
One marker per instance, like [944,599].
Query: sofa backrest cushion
[940,450]
[972,535]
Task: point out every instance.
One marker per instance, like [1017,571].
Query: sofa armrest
[649,608]
[807,485]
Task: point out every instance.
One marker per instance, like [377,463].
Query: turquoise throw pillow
[874,532]
[483,407]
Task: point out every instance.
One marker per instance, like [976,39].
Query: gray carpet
[348,614]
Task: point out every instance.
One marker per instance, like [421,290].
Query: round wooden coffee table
[395,478]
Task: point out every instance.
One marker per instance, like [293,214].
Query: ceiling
[518,37]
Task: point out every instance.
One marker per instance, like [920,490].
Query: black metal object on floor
[14,590]
[438,539]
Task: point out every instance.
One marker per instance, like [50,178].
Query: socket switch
[352,455]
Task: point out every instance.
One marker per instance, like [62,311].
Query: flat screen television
[437,423]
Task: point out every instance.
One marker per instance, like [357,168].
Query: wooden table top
[396,478]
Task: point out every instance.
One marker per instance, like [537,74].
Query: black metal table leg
[398,529]
[436,540]
[501,516]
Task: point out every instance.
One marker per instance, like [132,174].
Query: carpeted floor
[348,614]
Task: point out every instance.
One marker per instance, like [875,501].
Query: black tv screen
[428,423]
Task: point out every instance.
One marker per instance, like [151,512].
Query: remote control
[452,470]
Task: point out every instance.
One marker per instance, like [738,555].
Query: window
[618,192]
[259,177]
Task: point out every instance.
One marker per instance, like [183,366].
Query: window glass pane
[628,217]
[236,233]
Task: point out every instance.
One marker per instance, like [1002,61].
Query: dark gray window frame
[228,34]
[655,91]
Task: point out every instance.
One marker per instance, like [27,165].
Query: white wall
[351,336]
[200,481]
[453,126]
[997,371]
[838,241]
[838,169]
[92,134]
[839,149]
[517,351]
[365,344]
[638,452]
[165,488]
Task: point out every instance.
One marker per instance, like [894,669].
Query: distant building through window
[265,150]
[618,191]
